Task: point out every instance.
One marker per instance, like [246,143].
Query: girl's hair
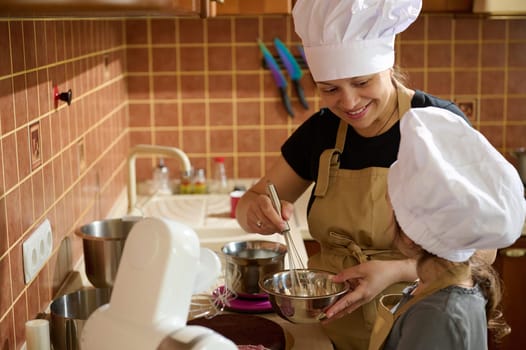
[489,282]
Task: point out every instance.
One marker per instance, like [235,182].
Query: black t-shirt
[303,148]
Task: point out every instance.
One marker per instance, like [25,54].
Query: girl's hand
[367,281]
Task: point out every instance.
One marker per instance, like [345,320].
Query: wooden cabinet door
[447,5]
[511,264]
[254,7]
[203,8]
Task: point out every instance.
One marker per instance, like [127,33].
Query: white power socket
[37,250]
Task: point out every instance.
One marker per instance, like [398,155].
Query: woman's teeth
[358,111]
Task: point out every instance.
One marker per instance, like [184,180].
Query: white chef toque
[452,192]
[350,38]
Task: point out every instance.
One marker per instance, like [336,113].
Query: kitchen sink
[209,216]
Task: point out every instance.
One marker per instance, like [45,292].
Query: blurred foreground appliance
[161,267]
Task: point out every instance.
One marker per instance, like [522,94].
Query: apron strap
[330,159]
[385,319]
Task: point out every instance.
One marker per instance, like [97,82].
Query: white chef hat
[452,192]
[349,38]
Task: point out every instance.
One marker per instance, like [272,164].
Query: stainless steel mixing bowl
[69,314]
[306,302]
[246,262]
[103,242]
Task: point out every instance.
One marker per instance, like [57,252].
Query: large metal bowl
[307,303]
[246,262]
[103,242]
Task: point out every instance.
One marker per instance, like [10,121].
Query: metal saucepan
[70,312]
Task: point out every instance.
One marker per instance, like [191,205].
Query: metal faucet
[151,150]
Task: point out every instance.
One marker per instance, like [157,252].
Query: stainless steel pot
[103,242]
[520,154]
[247,262]
[69,314]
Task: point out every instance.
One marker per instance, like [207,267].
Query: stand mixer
[161,267]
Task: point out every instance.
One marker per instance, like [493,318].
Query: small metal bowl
[246,262]
[305,304]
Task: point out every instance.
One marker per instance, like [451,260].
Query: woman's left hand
[367,281]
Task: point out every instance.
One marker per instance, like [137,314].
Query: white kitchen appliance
[162,265]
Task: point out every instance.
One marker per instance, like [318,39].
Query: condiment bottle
[220,180]
[199,183]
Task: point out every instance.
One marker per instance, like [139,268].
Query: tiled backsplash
[193,84]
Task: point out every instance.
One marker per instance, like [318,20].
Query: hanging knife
[293,68]
[301,50]
[278,76]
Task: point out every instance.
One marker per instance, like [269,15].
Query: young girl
[452,193]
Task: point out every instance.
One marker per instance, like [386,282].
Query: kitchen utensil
[103,242]
[520,154]
[293,68]
[69,313]
[161,268]
[278,76]
[246,330]
[246,262]
[318,294]
[293,256]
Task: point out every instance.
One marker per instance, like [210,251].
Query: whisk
[293,256]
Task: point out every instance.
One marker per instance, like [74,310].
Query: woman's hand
[263,218]
[255,212]
[367,281]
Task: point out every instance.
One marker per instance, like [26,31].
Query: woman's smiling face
[364,102]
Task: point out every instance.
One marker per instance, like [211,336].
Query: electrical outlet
[37,250]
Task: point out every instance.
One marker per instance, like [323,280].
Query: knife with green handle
[293,68]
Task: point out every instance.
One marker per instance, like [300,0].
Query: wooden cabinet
[447,5]
[511,265]
[83,8]
[254,7]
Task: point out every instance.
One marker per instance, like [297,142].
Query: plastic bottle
[161,178]
[220,180]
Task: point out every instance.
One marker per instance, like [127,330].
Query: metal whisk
[293,256]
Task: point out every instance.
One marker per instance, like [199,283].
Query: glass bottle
[220,180]
[199,183]
[161,178]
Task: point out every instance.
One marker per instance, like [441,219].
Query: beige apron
[353,221]
[386,319]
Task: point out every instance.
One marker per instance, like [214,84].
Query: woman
[447,204]
[346,150]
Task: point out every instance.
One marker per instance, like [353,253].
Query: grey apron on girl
[353,221]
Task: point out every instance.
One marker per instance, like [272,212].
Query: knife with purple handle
[278,76]
[293,68]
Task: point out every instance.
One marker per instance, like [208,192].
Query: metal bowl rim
[346,286]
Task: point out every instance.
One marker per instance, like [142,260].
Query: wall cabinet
[83,8]
[254,7]
[511,265]
[447,5]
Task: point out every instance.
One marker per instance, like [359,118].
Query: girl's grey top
[452,318]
